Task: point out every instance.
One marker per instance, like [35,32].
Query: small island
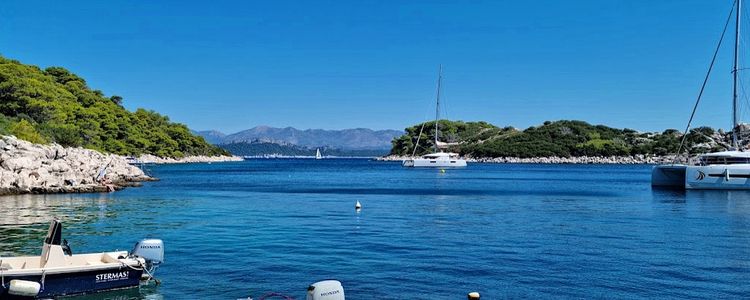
[564,141]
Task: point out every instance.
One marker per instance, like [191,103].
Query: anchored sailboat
[439,158]
[718,170]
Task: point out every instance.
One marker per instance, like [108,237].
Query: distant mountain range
[258,148]
[346,139]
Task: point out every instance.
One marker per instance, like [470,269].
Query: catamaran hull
[434,163]
[668,176]
[718,177]
[76,282]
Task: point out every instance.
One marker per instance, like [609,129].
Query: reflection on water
[38,209]
[734,202]
[25,218]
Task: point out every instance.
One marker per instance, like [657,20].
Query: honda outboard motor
[326,290]
[152,251]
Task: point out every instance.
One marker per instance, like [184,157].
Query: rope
[131,267]
[705,81]
[143,268]
[418,137]
[44,276]
[151,276]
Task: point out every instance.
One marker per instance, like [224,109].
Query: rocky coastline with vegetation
[563,142]
[58,135]
[629,160]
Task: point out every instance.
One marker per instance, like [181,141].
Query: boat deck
[33,263]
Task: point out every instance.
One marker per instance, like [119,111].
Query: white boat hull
[434,163]
[718,177]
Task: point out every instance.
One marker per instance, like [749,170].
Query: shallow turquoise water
[235,230]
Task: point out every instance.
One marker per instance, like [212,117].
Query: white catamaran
[438,159]
[718,170]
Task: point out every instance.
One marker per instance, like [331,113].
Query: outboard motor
[325,290]
[152,251]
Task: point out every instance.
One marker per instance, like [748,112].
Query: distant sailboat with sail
[317,154]
[438,159]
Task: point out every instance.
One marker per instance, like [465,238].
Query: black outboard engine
[152,251]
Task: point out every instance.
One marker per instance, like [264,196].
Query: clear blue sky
[232,65]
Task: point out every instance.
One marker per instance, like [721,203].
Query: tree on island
[563,138]
[55,105]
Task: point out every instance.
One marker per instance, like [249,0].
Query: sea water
[244,229]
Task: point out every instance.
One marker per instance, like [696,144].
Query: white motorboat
[716,170]
[58,272]
[438,159]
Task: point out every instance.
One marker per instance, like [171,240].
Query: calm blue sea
[234,230]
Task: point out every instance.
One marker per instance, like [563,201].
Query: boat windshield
[723,160]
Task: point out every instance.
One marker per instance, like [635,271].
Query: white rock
[21,163]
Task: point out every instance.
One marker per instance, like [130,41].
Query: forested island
[53,105]
[555,139]
[58,135]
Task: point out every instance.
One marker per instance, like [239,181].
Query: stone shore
[151,159]
[636,159]
[27,168]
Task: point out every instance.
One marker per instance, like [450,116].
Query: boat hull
[434,163]
[718,177]
[77,282]
[668,176]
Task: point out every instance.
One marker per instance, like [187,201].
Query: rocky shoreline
[27,168]
[636,159]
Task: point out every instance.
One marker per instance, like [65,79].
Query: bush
[25,131]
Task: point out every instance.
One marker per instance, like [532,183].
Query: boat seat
[108,259]
[6,266]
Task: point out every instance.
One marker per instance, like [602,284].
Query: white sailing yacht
[438,159]
[317,154]
[718,170]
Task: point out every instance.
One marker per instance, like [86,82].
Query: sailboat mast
[735,142]
[437,106]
